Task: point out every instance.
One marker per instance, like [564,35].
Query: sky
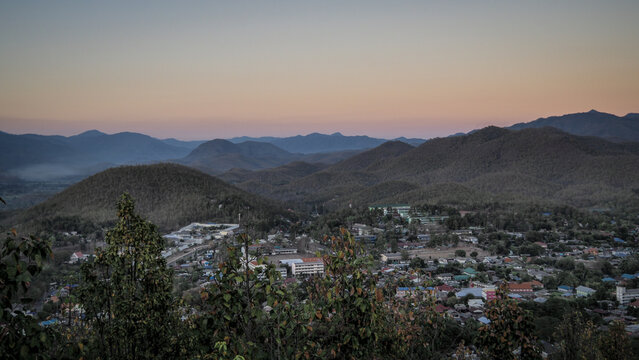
[210,69]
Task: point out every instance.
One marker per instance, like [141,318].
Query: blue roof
[608,279]
[564,287]
[515,296]
[476,292]
[484,320]
[49,322]
[627,276]
[413,288]
[619,240]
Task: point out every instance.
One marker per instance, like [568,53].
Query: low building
[284,251]
[583,291]
[444,277]
[470,272]
[77,256]
[522,289]
[565,288]
[489,293]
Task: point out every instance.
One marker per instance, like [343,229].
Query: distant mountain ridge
[37,156]
[591,123]
[219,155]
[322,143]
[43,158]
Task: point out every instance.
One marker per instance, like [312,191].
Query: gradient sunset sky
[206,69]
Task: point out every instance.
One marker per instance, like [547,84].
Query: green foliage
[509,335]
[126,292]
[615,344]
[345,308]
[21,337]
[576,338]
[246,313]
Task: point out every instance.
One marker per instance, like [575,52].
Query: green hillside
[169,195]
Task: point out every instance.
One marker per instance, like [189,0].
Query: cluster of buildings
[404,211]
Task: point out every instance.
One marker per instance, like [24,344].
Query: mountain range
[322,143]
[527,162]
[217,156]
[491,164]
[38,157]
[45,158]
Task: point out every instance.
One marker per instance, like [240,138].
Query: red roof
[441,308]
[313,259]
[635,303]
[520,287]
[446,288]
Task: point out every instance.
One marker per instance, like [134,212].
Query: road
[190,251]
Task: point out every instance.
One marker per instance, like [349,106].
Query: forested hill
[491,164]
[169,195]
[592,123]
[217,156]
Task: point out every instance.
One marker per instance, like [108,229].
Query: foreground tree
[21,337]
[509,335]
[245,312]
[127,292]
[576,339]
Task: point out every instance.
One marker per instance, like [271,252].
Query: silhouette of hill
[592,123]
[169,195]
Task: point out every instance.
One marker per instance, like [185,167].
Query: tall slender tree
[127,292]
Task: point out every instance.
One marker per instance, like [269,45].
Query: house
[412,291]
[583,291]
[470,272]
[542,244]
[475,303]
[77,256]
[592,251]
[565,288]
[444,277]
[475,292]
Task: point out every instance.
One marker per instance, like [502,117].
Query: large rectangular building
[626,296]
[308,266]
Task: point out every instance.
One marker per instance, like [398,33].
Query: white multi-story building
[308,266]
[625,296]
